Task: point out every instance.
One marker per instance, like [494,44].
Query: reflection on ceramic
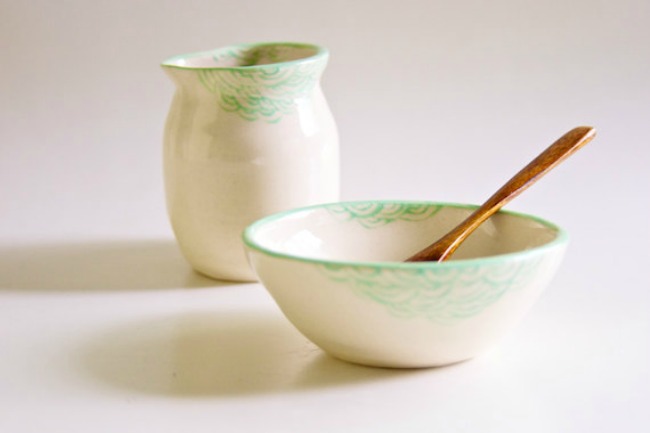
[249,133]
[337,273]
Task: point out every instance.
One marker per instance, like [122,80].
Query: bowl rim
[248,235]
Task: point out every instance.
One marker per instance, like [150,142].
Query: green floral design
[444,295]
[371,215]
[257,88]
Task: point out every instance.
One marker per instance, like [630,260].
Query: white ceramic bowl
[336,272]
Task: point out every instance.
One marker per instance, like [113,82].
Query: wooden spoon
[538,167]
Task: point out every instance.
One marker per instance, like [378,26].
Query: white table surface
[105,328]
[123,336]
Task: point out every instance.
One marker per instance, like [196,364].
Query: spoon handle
[538,167]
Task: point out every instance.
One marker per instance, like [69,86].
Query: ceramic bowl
[337,273]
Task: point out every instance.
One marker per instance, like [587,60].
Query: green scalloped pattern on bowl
[335,272]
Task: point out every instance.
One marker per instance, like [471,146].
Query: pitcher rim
[319,53]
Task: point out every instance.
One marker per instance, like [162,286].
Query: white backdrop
[438,100]
[435,100]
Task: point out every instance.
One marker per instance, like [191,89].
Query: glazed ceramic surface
[336,272]
[249,133]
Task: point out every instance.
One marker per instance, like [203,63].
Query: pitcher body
[249,133]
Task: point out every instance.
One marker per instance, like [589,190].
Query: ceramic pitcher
[249,133]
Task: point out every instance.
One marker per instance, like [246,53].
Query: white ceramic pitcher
[249,133]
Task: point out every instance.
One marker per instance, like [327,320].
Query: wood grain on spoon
[538,167]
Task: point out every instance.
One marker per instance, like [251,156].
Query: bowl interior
[392,231]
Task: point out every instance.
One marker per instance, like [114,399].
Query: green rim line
[249,235]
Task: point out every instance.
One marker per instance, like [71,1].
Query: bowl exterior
[406,316]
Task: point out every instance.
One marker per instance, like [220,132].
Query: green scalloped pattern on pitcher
[267,92]
[371,215]
[444,295]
